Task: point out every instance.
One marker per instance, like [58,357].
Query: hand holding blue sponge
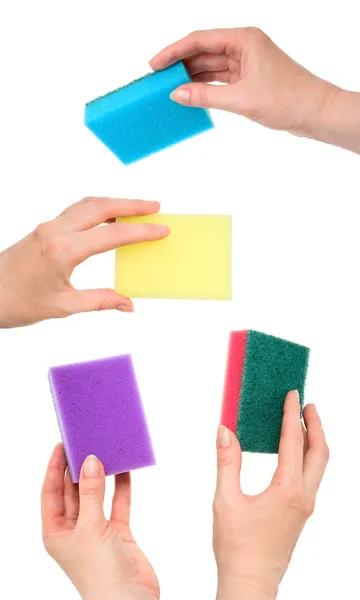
[140,118]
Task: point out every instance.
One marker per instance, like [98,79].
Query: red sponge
[233,379]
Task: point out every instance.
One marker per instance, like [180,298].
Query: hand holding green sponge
[261,370]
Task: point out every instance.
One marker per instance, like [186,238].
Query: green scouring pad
[261,370]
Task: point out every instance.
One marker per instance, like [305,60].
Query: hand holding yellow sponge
[193,262]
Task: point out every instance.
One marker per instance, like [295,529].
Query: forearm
[339,121]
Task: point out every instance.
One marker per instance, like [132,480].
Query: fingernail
[296,393]
[223,437]
[92,467]
[164,229]
[182,96]
[125,308]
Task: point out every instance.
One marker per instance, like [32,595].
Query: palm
[146,575]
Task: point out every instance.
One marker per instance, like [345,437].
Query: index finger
[52,494]
[216,41]
[93,211]
[110,237]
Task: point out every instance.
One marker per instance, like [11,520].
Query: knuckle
[42,231]
[255,32]
[224,507]
[89,490]
[91,200]
[117,232]
[219,505]
[323,452]
[193,38]
[104,305]
[202,97]
[292,436]
[299,437]
[98,204]
[308,509]
[55,249]
[224,458]
[293,496]
[326,453]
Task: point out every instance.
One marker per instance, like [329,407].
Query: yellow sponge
[193,262]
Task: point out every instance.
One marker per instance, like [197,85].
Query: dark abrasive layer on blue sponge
[272,368]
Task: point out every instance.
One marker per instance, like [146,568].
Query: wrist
[317,102]
[8,317]
[241,590]
[339,122]
[119,593]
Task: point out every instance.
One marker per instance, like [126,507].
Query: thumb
[95,300]
[228,463]
[202,95]
[92,490]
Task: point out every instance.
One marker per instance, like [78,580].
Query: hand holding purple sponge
[100,412]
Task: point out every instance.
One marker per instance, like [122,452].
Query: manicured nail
[182,96]
[92,467]
[223,437]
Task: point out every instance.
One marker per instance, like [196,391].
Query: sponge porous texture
[140,118]
[193,262]
[268,369]
[100,412]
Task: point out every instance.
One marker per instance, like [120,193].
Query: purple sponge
[100,412]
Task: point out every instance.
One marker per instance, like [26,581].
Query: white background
[296,255]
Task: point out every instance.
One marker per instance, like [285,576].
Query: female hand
[254,536]
[35,272]
[264,85]
[100,557]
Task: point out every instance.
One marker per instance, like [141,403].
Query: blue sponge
[140,118]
